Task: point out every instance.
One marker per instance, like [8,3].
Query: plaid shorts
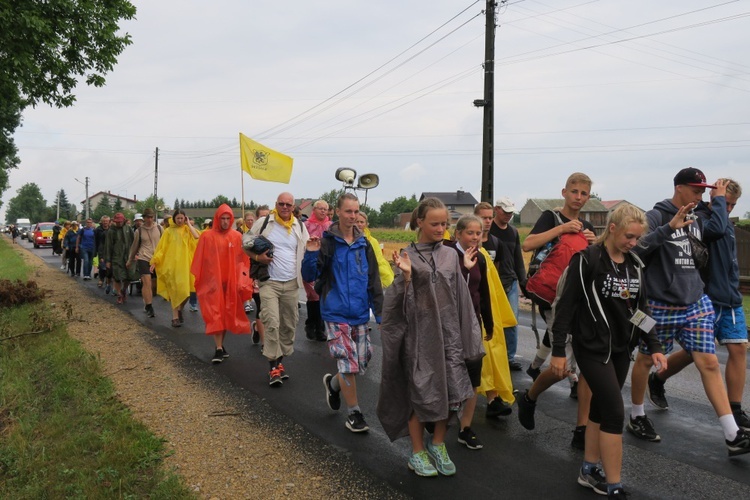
[350,346]
[692,326]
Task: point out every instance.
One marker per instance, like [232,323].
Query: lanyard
[431,264]
[624,290]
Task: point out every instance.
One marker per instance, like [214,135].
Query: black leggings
[606,381]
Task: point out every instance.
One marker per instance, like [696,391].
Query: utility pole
[88,202]
[58,206]
[488,103]
[156,179]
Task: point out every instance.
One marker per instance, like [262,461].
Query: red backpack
[541,287]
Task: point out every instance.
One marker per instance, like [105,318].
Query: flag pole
[242,184]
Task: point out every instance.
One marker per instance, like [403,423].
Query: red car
[41,234]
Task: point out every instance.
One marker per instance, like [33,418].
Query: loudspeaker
[346,175]
[369,181]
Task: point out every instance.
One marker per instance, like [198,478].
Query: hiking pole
[533,325]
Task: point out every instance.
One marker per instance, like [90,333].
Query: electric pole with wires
[488,103]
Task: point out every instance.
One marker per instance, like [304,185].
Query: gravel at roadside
[218,436]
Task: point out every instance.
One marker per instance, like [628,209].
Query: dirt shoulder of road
[224,442]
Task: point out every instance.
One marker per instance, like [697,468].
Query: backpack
[542,285]
[542,252]
[591,265]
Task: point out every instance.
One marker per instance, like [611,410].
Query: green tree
[46,48]
[28,203]
[331,197]
[141,205]
[117,206]
[390,210]
[218,201]
[102,208]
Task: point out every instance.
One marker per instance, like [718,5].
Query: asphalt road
[690,462]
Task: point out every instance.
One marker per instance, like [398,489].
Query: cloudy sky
[628,92]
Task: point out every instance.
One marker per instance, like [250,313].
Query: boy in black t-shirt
[512,268]
[575,194]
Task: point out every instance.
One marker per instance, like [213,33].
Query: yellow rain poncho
[384,267]
[172,260]
[495,369]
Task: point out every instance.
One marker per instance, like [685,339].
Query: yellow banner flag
[264,163]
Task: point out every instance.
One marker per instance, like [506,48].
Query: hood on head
[222,210]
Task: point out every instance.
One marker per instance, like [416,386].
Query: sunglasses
[287,205]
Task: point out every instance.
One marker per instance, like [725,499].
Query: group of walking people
[448,315]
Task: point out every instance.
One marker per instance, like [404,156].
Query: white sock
[637,411]
[729,426]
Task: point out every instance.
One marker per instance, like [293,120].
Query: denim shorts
[730,326]
[350,346]
[692,326]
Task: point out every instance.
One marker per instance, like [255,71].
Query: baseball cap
[506,204]
[119,217]
[691,177]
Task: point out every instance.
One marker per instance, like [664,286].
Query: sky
[627,92]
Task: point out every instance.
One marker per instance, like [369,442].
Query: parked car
[41,234]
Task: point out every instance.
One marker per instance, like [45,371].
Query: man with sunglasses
[280,292]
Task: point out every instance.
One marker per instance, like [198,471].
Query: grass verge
[63,432]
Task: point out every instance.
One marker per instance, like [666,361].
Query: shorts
[475,372]
[730,326]
[692,326]
[350,346]
[143,267]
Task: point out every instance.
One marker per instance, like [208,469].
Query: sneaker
[594,480]
[107,289]
[310,332]
[256,334]
[274,378]
[218,356]
[469,439]
[740,445]
[743,421]
[514,365]
[150,310]
[643,428]
[63,268]
[224,353]
[332,397]
[574,390]
[579,438]
[618,493]
[248,308]
[355,422]
[193,308]
[282,372]
[498,408]
[439,453]
[533,372]
[656,393]
[526,410]
[86,278]
[421,465]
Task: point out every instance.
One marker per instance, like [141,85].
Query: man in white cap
[512,270]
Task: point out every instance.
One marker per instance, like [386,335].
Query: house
[610,205]
[460,202]
[593,211]
[127,203]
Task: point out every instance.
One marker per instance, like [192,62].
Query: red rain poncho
[222,277]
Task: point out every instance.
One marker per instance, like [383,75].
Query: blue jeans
[87,254]
[511,333]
